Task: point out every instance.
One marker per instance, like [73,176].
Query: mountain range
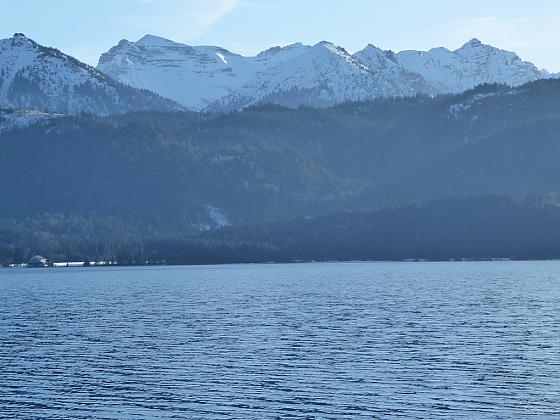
[212,78]
[158,74]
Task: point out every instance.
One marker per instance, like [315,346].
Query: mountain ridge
[155,73]
[33,76]
[210,78]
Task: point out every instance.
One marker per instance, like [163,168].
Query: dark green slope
[173,174]
[493,226]
[142,174]
[482,227]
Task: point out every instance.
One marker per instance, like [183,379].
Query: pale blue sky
[85,29]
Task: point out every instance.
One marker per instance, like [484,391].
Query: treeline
[494,226]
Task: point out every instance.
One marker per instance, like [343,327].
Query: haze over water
[359,340]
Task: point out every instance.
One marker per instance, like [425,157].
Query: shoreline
[405,261]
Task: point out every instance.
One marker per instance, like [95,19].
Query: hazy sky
[85,28]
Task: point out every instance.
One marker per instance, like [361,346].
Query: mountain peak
[325,44]
[329,46]
[371,47]
[372,54]
[149,40]
[475,42]
[20,39]
[291,48]
[62,84]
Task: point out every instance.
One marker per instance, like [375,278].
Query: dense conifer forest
[434,178]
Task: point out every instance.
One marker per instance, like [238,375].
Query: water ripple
[306,341]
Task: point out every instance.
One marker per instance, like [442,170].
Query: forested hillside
[178,173]
[523,226]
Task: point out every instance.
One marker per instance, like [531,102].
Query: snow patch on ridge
[217,216]
[10,119]
[221,56]
[457,109]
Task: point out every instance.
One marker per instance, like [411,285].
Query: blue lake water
[302,341]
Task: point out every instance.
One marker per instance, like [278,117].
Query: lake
[300,341]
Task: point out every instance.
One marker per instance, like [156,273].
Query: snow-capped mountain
[386,62]
[158,74]
[192,76]
[212,78]
[202,78]
[473,64]
[37,77]
[321,75]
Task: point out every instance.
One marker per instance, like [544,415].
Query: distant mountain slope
[320,76]
[37,77]
[385,62]
[212,78]
[473,64]
[192,76]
